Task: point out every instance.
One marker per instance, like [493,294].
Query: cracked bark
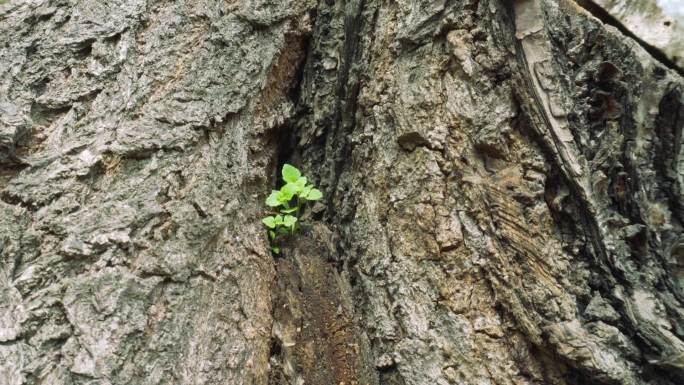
[503,194]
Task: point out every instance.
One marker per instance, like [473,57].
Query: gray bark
[502,183]
[658,27]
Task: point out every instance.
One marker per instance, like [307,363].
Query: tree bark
[502,194]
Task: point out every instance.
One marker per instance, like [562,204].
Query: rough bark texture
[503,194]
[646,21]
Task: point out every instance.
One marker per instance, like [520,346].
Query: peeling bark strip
[503,184]
[537,56]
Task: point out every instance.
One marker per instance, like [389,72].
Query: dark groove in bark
[347,91]
[669,125]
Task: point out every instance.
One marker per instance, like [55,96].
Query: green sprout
[288,202]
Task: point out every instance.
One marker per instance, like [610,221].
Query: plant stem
[299,206]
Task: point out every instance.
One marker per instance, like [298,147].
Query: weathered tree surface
[649,23]
[502,178]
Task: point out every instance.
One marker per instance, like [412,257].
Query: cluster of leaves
[288,202]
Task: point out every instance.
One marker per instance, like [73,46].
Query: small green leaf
[278,220]
[287,192]
[273,199]
[275,249]
[269,222]
[296,186]
[300,183]
[289,220]
[305,191]
[314,195]
[290,173]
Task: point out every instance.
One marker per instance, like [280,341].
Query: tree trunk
[502,194]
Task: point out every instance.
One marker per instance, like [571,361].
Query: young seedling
[288,202]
